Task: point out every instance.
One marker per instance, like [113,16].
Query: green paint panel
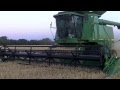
[88,27]
[105,32]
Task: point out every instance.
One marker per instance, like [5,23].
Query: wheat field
[15,70]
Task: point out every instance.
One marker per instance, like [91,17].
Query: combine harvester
[81,39]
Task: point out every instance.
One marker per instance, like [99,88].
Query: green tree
[22,41]
[3,40]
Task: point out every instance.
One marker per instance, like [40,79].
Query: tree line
[5,41]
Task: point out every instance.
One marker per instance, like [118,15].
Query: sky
[36,24]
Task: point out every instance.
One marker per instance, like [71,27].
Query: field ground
[15,70]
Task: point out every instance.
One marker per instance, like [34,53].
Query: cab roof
[96,12]
[81,13]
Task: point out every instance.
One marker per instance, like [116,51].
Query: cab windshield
[69,26]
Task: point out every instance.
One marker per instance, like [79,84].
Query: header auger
[81,38]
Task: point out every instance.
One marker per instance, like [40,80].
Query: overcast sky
[36,24]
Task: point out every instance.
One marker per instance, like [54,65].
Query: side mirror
[51,26]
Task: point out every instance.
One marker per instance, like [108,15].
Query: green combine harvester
[85,28]
[81,39]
